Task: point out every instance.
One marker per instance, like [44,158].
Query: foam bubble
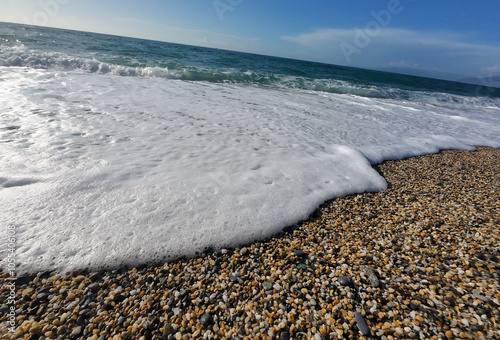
[101,170]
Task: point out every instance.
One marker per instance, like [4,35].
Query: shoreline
[418,260]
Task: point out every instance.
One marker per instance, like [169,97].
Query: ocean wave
[20,56]
[452,101]
[14,54]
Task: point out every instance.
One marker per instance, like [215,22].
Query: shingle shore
[417,261]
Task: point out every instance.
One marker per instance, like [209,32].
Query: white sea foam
[99,170]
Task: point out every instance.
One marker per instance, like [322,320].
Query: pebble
[285,336]
[22,280]
[299,253]
[372,276]
[76,331]
[267,285]
[361,323]
[431,240]
[94,287]
[206,320]
[36,330]
[345,281]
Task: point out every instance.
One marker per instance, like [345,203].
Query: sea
[117,151]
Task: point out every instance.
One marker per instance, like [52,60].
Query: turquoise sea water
[57,49]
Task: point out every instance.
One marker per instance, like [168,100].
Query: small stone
[386,326]
[285,336]
[372,276]
[23,280]
[492,257]
[481,256]
[449,334]
[477,294]
[167,329]
[36,330]
[450,300]
[121,320]
[79,278]
[345,281]
[299,253]
[243,251]
[76,331]
[361,323]
[413,306]
[206,320]
[94,287]
[27,291]
[42,297]
[267,285]
[95,276]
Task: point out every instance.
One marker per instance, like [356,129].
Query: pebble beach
[419,260]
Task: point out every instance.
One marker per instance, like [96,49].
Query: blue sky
[448,36]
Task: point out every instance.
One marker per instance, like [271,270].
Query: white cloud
[321,36]
[491,71]
[379,46]
[393,36]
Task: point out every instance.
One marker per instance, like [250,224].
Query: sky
[446,38]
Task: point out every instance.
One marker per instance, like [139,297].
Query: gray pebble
[299,253]
[94,287]
[167,329]
[121,320]
[361,323]
[345,281]
[206,320]
[285,336]
[372,276]
[267,285]
[76,330]
[23,280]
